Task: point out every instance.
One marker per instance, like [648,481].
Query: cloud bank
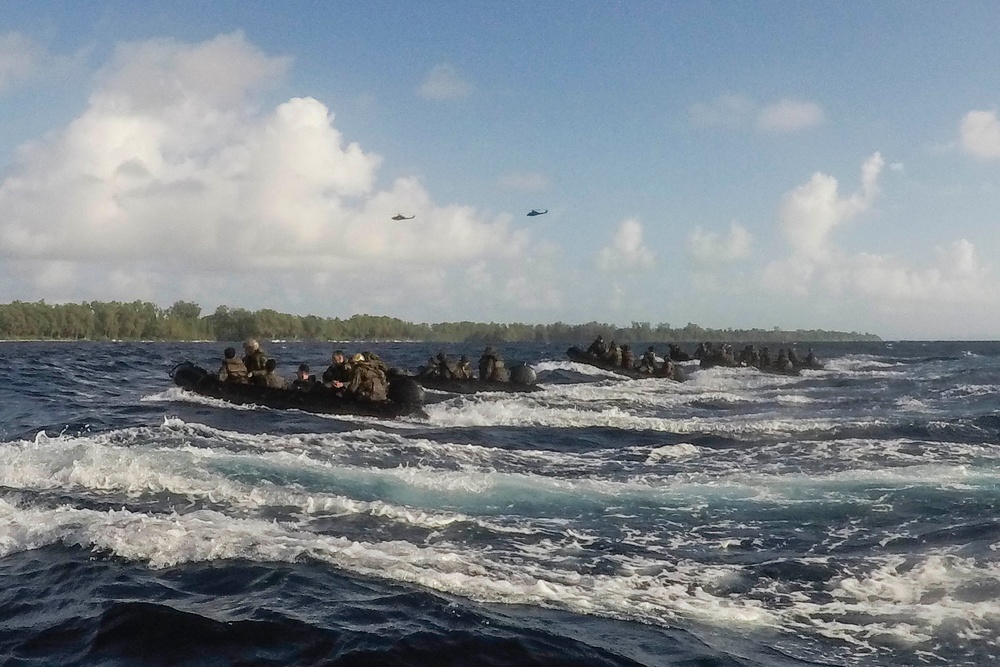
[920,295]
[172,183]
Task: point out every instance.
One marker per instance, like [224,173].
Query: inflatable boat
[406,397]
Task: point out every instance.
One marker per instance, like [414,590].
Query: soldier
[367,382]
[254,357]
[339,372]
[628,358]
[486,363]
[598,348]
[491,367]
[463,369]
[648,362]
[304,380]
[233,369]
[269,378]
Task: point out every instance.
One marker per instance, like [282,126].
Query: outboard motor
[405,391]
[523,374]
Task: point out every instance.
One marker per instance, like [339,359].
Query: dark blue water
[844,517]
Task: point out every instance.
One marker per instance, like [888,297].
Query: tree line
[183,321]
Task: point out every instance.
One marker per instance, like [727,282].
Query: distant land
[183,321]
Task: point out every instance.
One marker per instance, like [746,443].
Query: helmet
[357,358]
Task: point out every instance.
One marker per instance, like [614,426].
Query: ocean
[847,516]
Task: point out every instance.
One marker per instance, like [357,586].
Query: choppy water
[844,517]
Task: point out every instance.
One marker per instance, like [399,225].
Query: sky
[801,165]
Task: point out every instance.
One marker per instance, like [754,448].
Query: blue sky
[791,164]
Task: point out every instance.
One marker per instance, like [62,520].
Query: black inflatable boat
[583,357]
[406,397]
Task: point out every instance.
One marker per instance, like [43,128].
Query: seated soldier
[304,381]
[614,354]
[647,364]
[667,369]
[338,373]
[463,369]
[486,363]
[375,361]
[783,363]
[598,348]
[254,357]
[268,377]
[491,367]
[367,382]
[445,366]
[233,369]
[628,358]
[430,370]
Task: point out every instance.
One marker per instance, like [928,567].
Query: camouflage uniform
[234,370]
[255,360]
[367,383]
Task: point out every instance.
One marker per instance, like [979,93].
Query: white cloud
[810,212]
[443,82]
[20,58]
[789,116]
[725,110]
[525,181]
[712,247]
[627,250]
[892,287]
[171,171]
[955,276]
[738,110]
[980,133]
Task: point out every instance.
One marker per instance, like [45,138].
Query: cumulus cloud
[737,110]
[980,133]
[627,250]
[712,247]
[789,116]
[443,82]
[20,58]
[811,211]
[908,289]
[172,171]
[525,181]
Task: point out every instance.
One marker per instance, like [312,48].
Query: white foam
[176,394]
[681,450]
[582,369]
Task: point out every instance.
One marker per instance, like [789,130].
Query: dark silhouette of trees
[141,320]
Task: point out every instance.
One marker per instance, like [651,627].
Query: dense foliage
[140,320]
